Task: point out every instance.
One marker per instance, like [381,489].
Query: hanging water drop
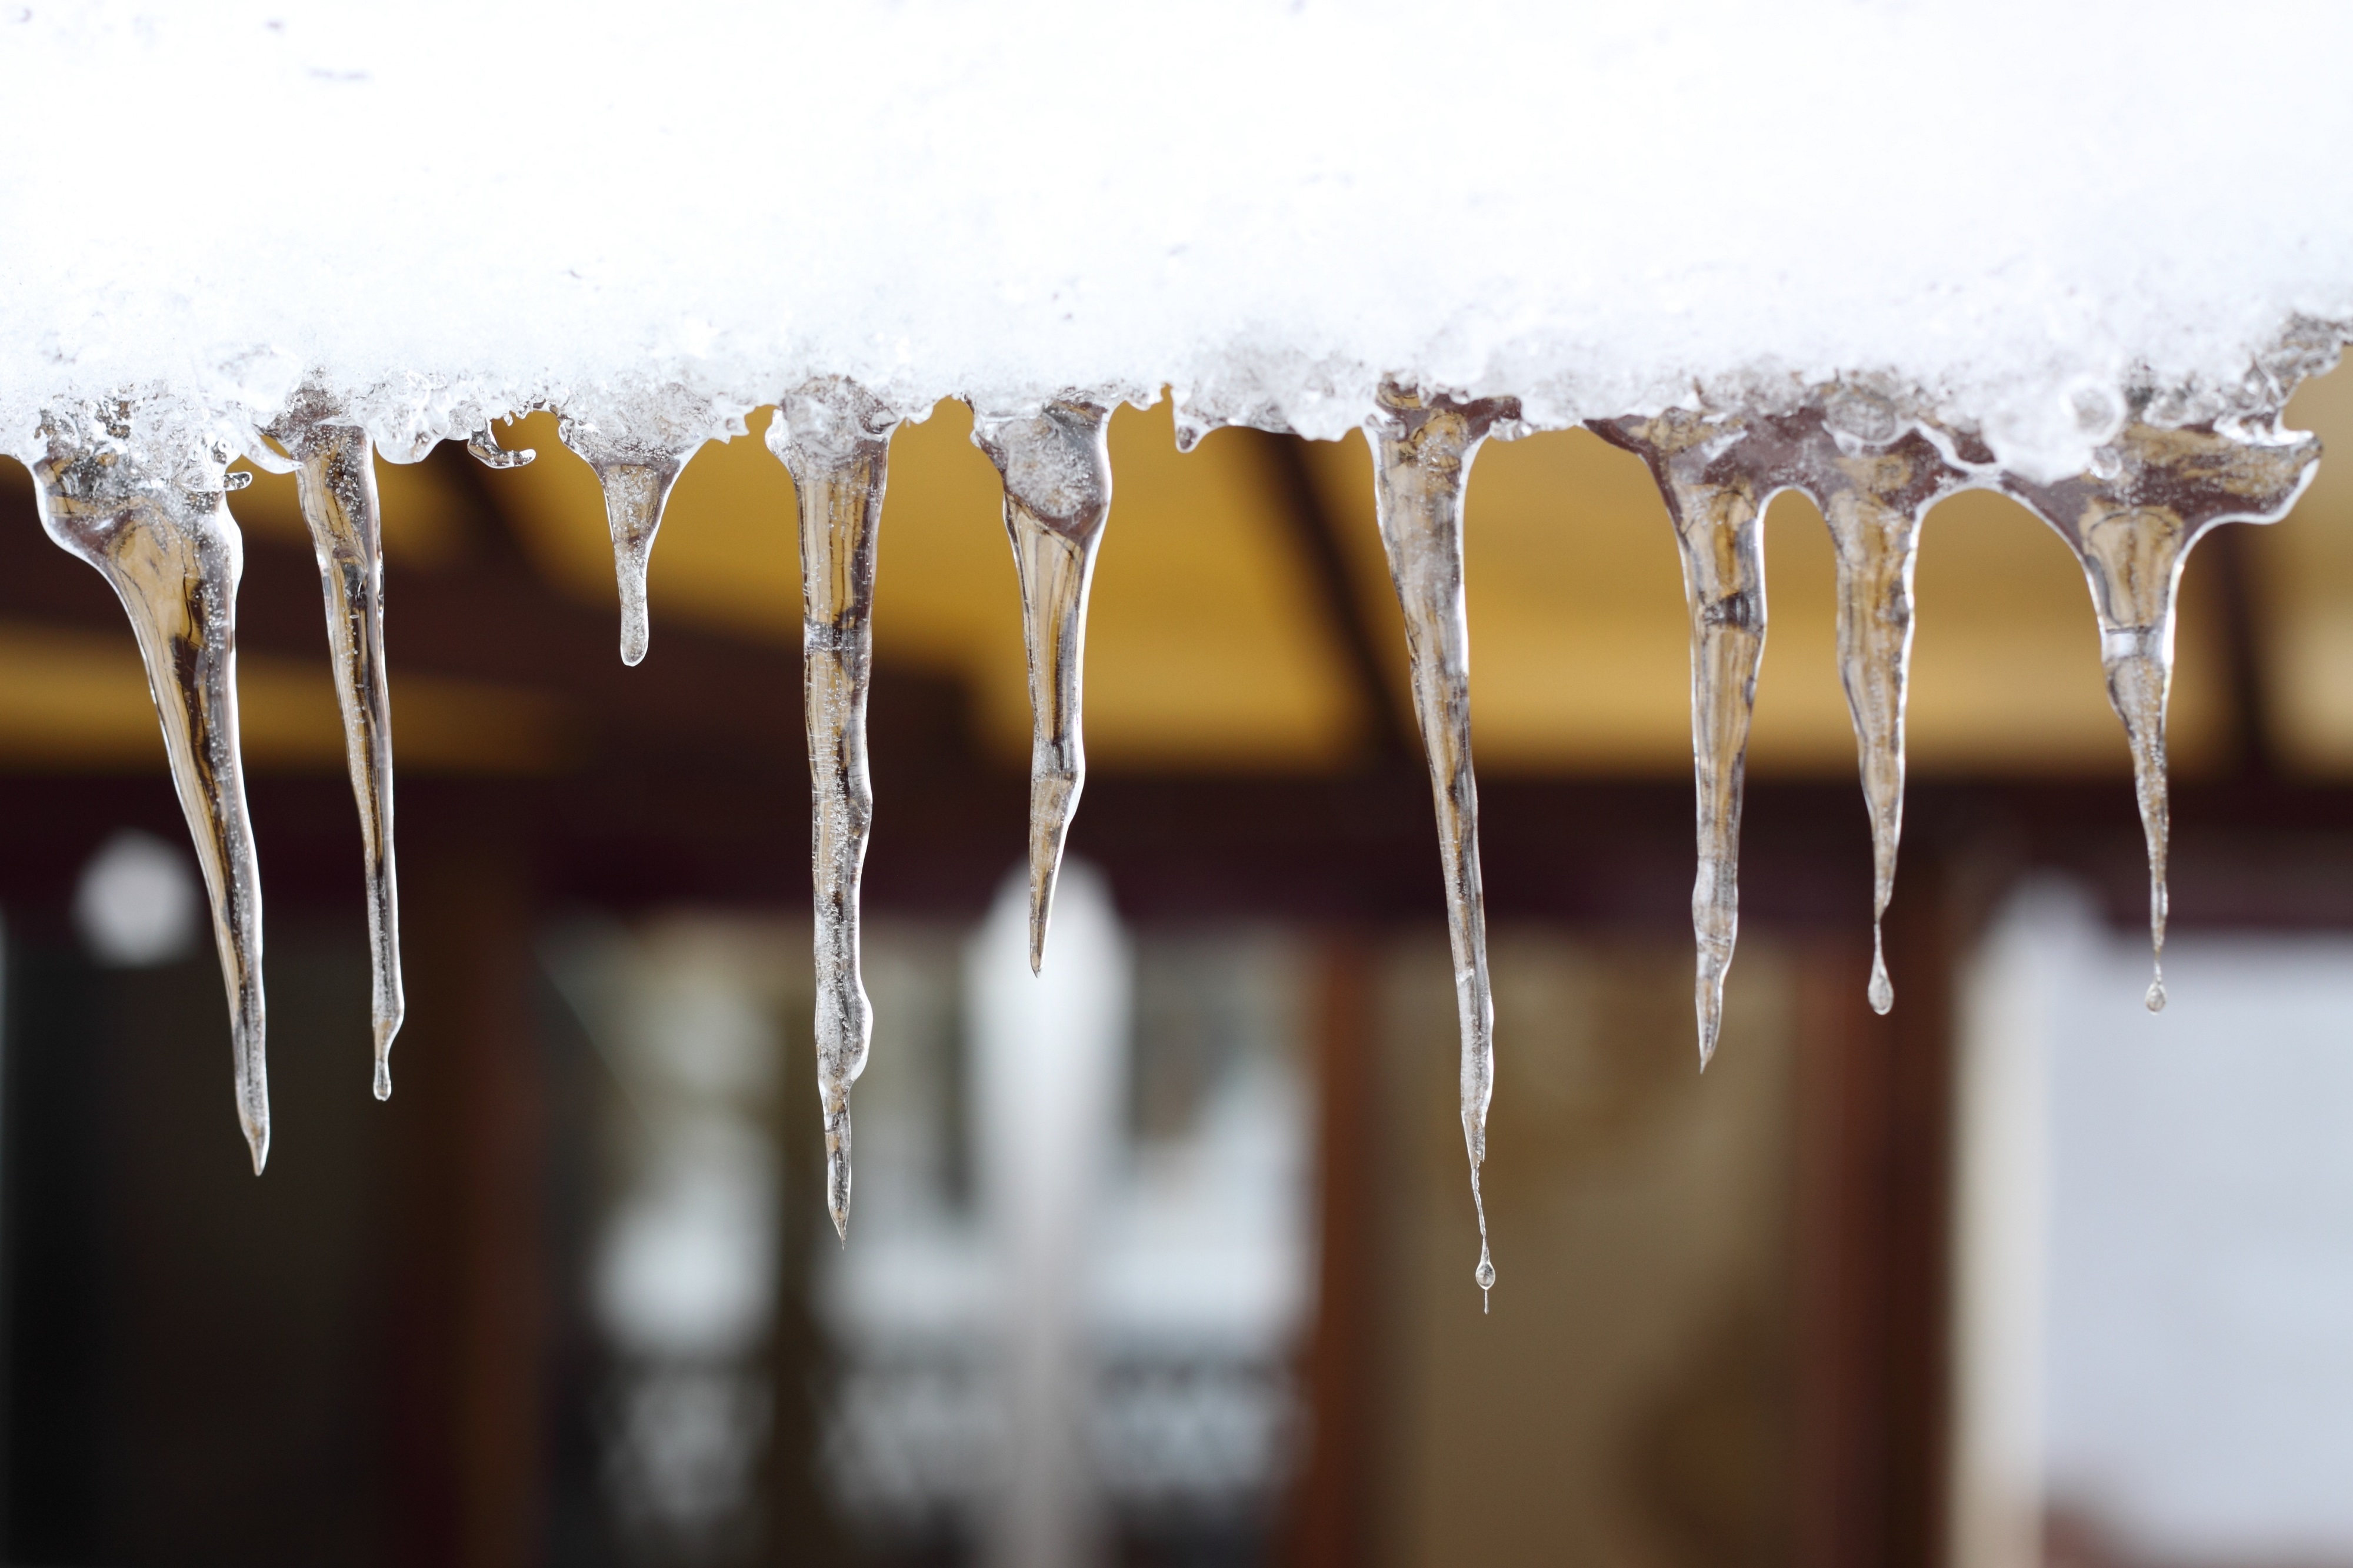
[1715,492]
[835,439]
[173,556]
[1874,477]
[335,478]
[1422,450]
[638,458]
[2149,496]
[1056,465]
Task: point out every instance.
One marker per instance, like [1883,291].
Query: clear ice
[1056,471]
[335,478]
[1875,475]
[1422,449]
[637,456]
[1716,487]
[166,543]
[835,439]
[2150,494]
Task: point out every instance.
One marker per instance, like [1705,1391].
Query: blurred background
[1167,1258]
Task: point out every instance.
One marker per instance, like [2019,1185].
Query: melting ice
[2107,329]
[835,438]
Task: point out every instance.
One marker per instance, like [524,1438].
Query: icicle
[637,472]
[2151,494]
[835,438]
[172,555]
[1056,474]
[335,478]
[1874,475]
[1422,449]
[1715,492]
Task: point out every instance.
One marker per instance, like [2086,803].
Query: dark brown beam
[1314,534]
[2226,569]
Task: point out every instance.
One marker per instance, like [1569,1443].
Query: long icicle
[335,480]
[2151,494]
[1716,495]
[174,557]
[1422,450]
[835,438]
[637,475]
[1056,465]
[1874,477]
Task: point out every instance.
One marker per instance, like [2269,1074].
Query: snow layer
[2010,213]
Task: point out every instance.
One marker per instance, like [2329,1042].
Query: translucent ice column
[1715,490]
[335,478]
[1874,475]
[1056,471]
[1422,448]
[637,450]
[2150,494]
[164,541]
[836,440]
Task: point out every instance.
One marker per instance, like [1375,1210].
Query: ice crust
[2006,215]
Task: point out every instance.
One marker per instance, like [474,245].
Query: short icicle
[637,469]
[1715,492]
[1874,475]
[1056,465]
[174,557]
[2150,495]
[1422,450]
[335,478]
[835,438]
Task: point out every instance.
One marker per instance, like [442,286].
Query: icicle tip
[1883,990]
[387,1025]
[837,1192]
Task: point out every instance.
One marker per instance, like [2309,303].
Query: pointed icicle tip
[386,1028]
[257,1140]
[837,1192]
[1041,915]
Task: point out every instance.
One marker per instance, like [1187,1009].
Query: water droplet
[1882,991]
[1056,465]
[835,439]
[174,557]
